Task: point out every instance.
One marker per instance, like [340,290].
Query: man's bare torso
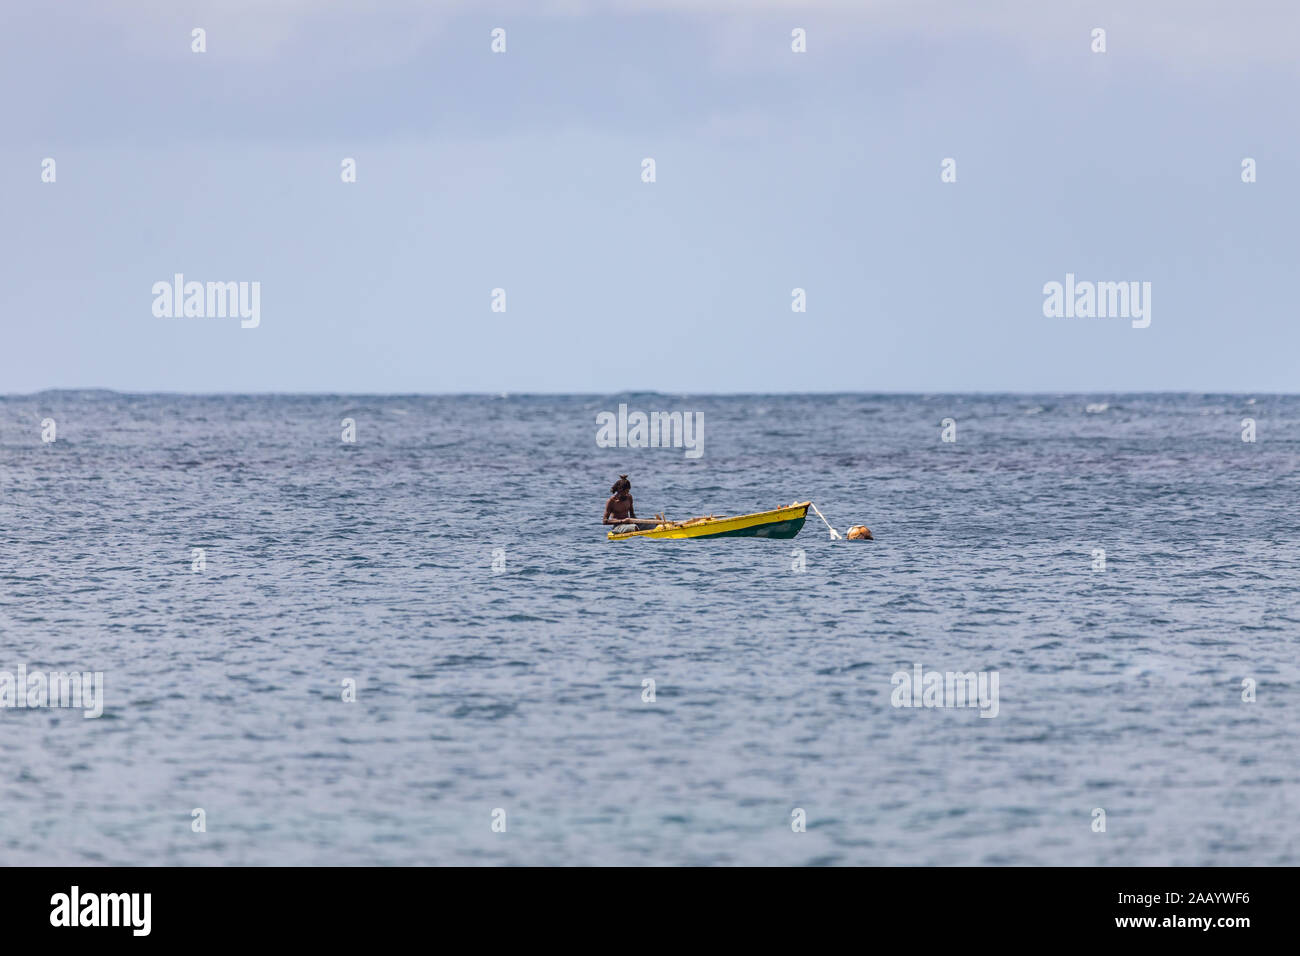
[618,508]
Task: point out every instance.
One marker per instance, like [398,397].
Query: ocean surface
[514,693]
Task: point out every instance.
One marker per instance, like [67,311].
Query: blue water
[522,690]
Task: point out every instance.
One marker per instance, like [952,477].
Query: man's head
[621,487]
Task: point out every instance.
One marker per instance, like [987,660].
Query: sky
[775,170]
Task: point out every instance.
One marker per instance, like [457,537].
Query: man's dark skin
[619,508]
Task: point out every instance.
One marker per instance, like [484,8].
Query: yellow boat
[778,523]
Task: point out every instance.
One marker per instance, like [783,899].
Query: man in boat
[618,509]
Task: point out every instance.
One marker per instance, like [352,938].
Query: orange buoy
[860,532]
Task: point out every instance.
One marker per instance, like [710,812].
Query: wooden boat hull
[777,523]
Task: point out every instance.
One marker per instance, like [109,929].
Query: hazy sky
[775,170]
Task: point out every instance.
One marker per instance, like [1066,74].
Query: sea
[417,647]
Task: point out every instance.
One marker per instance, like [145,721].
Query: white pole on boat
[835,535]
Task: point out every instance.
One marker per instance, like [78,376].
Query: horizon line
[602,394]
